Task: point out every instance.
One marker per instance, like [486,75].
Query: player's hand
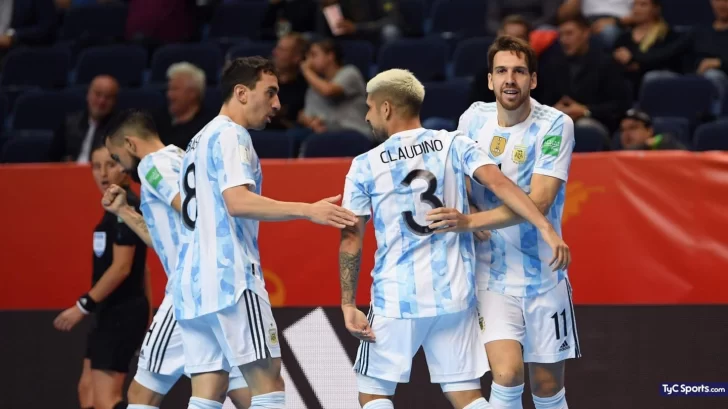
[357,323]
[68,319]
[447,220]
[326,212]
[114,199]
[562,255]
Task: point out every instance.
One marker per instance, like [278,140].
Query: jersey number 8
[428,196]
[190,192]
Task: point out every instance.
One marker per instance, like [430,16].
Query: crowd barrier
[648,231]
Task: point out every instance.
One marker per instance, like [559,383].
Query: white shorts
[451,342]
[545,325]
[237,335]
[162,359]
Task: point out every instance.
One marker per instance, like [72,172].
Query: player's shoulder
[549,114]
[481,108]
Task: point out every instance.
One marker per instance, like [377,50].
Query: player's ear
[490,81]
[386,110]
[241,93]
[534,80]
[129,144]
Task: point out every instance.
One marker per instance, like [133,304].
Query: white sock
[379,404]
[135,406]
[273,400]
[557,401]
[199,403]
[504,397]
[480,403]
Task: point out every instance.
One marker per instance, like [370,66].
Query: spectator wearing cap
[185,115]
[637,133]
[585,82]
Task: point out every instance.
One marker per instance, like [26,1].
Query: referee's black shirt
[110,231]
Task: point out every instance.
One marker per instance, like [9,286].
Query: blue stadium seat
[272,144]
[688,97]
[471,56]
[4,106]
[251,49]
[100,23]
[682,13]
[426,58]
[588,140]
[145,99]
[236,21]
[27,147]
[36,67]
[679,127]
[126,63]
[461,17]
[712,136]
[359,54]
[340,144]
[213,99]
[205,56]
[45,110]
[445,99]
[413,14]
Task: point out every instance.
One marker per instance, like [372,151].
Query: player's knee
[545,387]
[507,375]
[140,395]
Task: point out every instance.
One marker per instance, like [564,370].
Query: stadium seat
[272,144]
[145,99]
[36,67]
[250,49]
[712,136]
[413,14]
[45,109]
[126,63]
[682,13]
[340,144]
[471,56]
[99,24]
[679,127]
[4,106]
[359,54]
[460,17]
[237,21]
[445,99]
[426,58]
[588,140]
[688,97]
[27,147]
[205,56]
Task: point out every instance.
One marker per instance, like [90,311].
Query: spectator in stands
[185,115]
[540,14]
[83,130]
[336,97]
[375,21]
[289,16]
[588,84]
[160,22]
[637,133]
[710,50]
[651,49]
[607,17]
[287,57]
[26,22]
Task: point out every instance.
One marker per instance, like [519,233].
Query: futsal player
[526,304]
[134,142]
[117,298]
[220,298]
[423,294]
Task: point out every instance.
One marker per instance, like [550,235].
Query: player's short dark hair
[519,20]
[246,71]
[514,45]
[131,122]
[576,18]
[330,46]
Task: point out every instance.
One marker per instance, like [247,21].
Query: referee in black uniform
[117,298]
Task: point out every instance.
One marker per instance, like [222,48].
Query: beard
[379,135]
[512,105]
[134,171]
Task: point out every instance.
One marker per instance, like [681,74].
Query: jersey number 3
[190,192]
[428,196]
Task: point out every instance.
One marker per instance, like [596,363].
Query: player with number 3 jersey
[423,291]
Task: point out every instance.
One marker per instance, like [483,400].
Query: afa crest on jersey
[519,153]
[498,145]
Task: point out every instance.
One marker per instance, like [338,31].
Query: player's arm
[350,247]
[232,161]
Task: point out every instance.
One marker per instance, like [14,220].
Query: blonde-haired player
[423,293]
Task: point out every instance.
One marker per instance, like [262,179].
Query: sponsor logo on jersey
[153,177]
[551,145]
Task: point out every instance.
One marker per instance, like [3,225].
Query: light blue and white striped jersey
[159,173]
[417,273]
[515,260]
[218,254]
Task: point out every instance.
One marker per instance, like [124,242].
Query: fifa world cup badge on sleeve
[551,145]
[273,336]
[244,153]
[519,154]
[498,145]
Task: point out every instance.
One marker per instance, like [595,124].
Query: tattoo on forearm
[349,275]
[140,223]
